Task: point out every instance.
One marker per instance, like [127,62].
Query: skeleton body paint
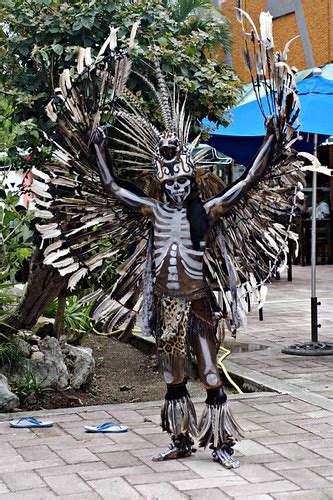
[178,189]
[178,267]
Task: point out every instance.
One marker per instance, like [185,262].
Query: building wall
[312,21]
[318,17]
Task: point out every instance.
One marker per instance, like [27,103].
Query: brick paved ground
[287,452]
[287,321]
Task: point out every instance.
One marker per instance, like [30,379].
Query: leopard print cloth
[172,332]
[176,320]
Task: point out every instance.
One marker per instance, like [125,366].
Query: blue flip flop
[106,427]
[29,422]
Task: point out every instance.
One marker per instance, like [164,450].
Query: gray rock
[80,363]
[37,356]
[8,400]
[44,327]
[24,347]
[52,370]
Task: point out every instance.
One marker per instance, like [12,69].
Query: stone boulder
[49,368]
[8,400]
[44,327]
[23,346]
[80,363]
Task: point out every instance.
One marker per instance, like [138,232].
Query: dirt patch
[123,374]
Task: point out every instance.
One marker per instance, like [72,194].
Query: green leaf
[162,40]
[88,22]
[57,48]
[77,25]
[25,253]
[191,50]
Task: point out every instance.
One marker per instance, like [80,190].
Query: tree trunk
[59,319]
[44,285]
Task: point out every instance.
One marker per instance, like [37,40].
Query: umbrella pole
[313,348]
[314,300]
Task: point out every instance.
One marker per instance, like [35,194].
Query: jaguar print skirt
[177,320]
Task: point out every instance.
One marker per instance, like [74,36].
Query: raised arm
[229,196]
[129,195]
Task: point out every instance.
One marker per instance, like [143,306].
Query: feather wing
[88,232]
[250,243]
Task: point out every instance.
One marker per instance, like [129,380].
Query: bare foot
[171,453]
[224,458]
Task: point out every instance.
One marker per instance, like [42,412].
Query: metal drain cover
[310,349]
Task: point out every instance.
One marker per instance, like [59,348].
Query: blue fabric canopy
[242,138]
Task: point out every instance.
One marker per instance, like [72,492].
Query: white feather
[43,228]
[80,60]
[38,173]
[98,220]
[113,38]
[246,15]
[51,234]
[286,48]
[97,260]
[262,294]
[53,246]
[62,156]
[40,189]
[65,82]
[52,257]
[266,30]
[61,181]
[76,277]
[133,34]
[70,269]
[43,214]
[50,111]
[63,263]
[41,203]
[87,57]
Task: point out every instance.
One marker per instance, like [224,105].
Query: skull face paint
[178,189]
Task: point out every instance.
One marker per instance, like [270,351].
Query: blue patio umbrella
[242,138]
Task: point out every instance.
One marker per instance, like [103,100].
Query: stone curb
[118,406]
[266,382]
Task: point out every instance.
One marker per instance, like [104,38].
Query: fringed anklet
[178,413]
[218,429]
[179,419]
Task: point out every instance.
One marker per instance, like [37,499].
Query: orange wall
[285,28]
[253,7]
[318,16]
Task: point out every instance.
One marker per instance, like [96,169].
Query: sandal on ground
[29,422]
[106,427]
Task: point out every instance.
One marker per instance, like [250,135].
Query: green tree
[39,38]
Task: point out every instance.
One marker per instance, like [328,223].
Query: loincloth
[177,320]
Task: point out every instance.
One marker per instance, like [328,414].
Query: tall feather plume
[121,74]
[271,72]
[164,97]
